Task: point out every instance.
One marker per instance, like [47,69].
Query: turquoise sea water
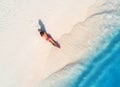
[104,69]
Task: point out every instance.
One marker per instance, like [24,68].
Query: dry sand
[23,52]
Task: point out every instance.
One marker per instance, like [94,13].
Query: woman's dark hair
[41,33]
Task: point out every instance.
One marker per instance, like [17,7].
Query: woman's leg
[52,41]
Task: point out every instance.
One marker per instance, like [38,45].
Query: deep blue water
[104,69]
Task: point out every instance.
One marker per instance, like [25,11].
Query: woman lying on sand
[48,38]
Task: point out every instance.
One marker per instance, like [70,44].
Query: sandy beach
[24,57]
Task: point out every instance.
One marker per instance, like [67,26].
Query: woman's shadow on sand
[41,24]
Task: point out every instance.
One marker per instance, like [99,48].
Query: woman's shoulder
[42,33]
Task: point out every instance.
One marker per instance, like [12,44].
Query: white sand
[23,53]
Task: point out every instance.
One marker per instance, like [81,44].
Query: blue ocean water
[102,67]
